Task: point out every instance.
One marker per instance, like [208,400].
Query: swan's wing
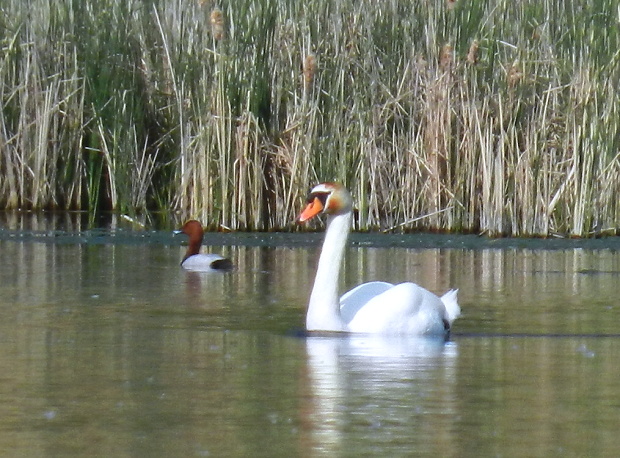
[406,309]
[452,306]
[353,300]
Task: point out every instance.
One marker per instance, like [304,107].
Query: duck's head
[193,229]
[329,198]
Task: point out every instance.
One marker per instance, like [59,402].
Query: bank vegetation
[468,116]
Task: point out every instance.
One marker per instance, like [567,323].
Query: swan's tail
[452,306]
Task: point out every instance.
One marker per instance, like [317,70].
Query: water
[108,348]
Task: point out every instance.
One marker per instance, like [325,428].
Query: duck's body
[375,307]
[193,259]
[206,263]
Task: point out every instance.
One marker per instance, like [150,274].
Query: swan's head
[330,198]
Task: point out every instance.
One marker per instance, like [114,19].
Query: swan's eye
[316,205]
[322,196]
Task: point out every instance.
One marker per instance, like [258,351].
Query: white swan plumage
[375,307]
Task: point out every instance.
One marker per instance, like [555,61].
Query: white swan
[375,307]
[193,259]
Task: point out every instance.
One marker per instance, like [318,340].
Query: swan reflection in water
[368,390]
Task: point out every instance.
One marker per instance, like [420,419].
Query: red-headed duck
[193,259]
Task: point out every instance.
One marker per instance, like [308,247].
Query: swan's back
[404,309]
[352,301]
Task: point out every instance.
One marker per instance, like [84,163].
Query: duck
[376,307]
[193,259]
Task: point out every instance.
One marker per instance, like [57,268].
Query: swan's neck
[324,307]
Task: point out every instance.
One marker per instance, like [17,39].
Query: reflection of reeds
[160,111]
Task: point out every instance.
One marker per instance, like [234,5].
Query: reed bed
[491,117]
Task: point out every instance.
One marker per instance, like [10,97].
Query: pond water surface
[109,348]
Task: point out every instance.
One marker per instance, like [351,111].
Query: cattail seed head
[309,70]
[472,54]
[217,24]
[445,58]
[514,75]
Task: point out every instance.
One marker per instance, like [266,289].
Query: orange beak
[312,209]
